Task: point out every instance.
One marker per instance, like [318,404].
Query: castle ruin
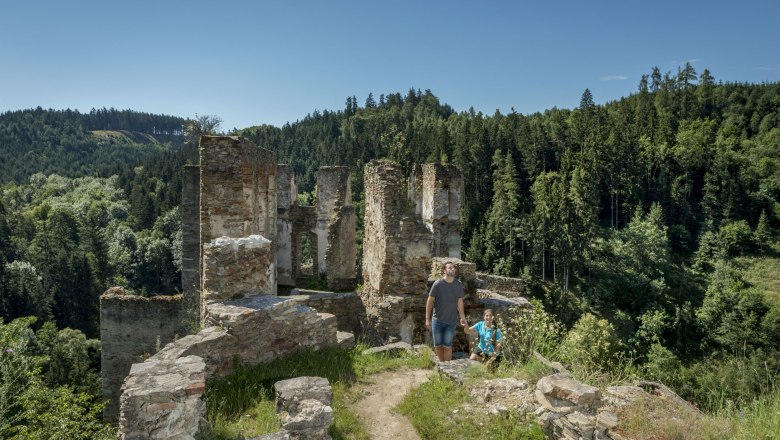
[243,236]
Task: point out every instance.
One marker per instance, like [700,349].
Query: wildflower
[9,350]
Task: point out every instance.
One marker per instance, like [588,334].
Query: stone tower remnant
[237,195]
[407,238]
[436,191]
[286,194]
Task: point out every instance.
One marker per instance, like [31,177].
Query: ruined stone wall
[286,197]
[162,397]
[436,192]
[335,228]
[341,251]
[333,192]
[304,221]
[346,307]
[237,191]
[511,287]
[237,267]
[132,328]
[397,247]
[190,231]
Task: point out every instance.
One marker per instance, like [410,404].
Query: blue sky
[256,62]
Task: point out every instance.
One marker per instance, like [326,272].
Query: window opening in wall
[307,255]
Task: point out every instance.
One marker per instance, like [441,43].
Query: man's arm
[462,314]
[428,312]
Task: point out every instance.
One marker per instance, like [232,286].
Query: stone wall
[335,228]
[287,194]
[397,247]
[237,267]
[346,307]
[333,192]
[237,191]
[303,405]
[341,251]
[190,235]
[162,397]
[304,221]
[511,287]
[133,328]
[436,191]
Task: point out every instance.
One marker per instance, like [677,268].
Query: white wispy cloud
[614,78]
[768,68]
[676,63]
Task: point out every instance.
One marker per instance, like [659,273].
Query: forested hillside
[88,202]
[646,226]
[73,144]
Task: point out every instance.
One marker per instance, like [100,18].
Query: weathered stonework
[345,306]
[287,193]
[436,191]
[303,405]
[333,192]
[133,328]
[162,399]
[397,248]
[237,191]
[340,253]
[248,331]
[510,287]
[234,268]
[190,231]
[572,410]
[335,228]
[406,244]
[304,221]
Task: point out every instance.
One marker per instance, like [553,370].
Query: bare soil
[382,392]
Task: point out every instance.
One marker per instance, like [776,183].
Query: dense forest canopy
[642,221]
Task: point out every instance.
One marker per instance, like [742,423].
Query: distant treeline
[62,142]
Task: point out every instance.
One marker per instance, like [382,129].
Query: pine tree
[370,103]
[586,101]
[763,234]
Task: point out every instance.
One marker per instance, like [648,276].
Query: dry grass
[658,419]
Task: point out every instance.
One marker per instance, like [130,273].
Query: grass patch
[242,405]
[763,273]
[653,419]
[758,420]
[434,410]
[531,371]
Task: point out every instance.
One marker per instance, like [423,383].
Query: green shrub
[532,329]
[591,344]
[735,237]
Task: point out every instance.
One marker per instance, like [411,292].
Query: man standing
[445,302]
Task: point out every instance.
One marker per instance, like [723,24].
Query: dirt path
[385,391]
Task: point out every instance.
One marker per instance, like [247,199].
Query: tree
[503,217]
[586,101]
[370,102]
[202,125]
[762,235]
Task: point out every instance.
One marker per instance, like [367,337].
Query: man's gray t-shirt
[445,300]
